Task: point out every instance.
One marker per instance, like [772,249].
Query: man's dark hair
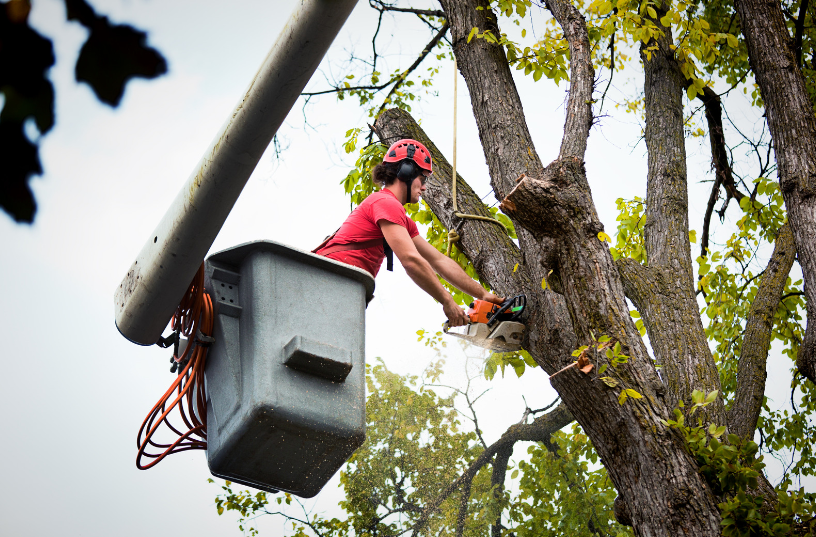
[385,173]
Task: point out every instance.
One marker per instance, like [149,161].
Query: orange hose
[193,315]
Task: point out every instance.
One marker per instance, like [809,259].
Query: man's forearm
[420,271]
[453,274]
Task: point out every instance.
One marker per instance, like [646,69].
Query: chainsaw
[492,326]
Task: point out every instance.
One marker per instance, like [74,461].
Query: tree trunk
[558,226]
[664,291]
[793,129]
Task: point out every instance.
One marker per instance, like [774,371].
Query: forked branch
[537,431]
[582,77]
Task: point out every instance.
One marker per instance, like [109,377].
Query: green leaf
[633,393]
[609,381]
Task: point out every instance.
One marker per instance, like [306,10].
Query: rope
[193,319]
[453,234]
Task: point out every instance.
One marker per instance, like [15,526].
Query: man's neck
[399,189]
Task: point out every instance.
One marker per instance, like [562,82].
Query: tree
[678,444]
[112,55]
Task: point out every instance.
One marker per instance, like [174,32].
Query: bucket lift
[284,376]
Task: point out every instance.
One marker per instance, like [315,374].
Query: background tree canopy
[682,430]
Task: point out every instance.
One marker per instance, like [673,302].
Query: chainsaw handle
[506,304]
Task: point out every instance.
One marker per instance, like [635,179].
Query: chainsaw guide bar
[505,337]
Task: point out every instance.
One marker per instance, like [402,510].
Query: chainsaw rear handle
[522,302]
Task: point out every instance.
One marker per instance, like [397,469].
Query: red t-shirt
[362,225]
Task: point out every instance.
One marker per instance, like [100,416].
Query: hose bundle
[193,319]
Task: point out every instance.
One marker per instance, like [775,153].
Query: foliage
[629,240]
[732,469]
[579,494]
[111,56]
[518,360]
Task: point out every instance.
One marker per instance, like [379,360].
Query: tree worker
[380,225]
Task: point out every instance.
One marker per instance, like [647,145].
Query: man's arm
[420,270]
[452,272]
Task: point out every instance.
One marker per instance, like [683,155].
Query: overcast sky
[74,392]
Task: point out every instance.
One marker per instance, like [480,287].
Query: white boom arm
[158,278]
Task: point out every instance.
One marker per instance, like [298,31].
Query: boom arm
[158,278]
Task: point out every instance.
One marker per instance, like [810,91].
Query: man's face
[418,186]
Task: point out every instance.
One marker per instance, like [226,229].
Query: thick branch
[461,517]
[793,128]
[582,78]
[665,291]
[751,373]
[537,431]
[497,482]
[800,30]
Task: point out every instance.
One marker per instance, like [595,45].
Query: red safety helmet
[410,149]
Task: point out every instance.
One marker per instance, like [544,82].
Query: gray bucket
[286,375]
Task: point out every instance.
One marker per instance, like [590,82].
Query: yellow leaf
[544,282]
[603,237]
[516,267]
[693,235]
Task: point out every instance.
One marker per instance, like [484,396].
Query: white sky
[75,391]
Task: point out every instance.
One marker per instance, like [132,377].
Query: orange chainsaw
[492,326]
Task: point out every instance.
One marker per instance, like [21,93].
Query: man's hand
[456,315]
[490,297]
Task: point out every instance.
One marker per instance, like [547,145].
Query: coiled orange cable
[193,319]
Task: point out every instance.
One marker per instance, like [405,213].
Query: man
[380,222]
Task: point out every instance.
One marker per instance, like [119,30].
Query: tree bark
[751,372]
[664,291]
[793,129]
[647,462]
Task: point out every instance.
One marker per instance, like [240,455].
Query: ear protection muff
[407,171]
